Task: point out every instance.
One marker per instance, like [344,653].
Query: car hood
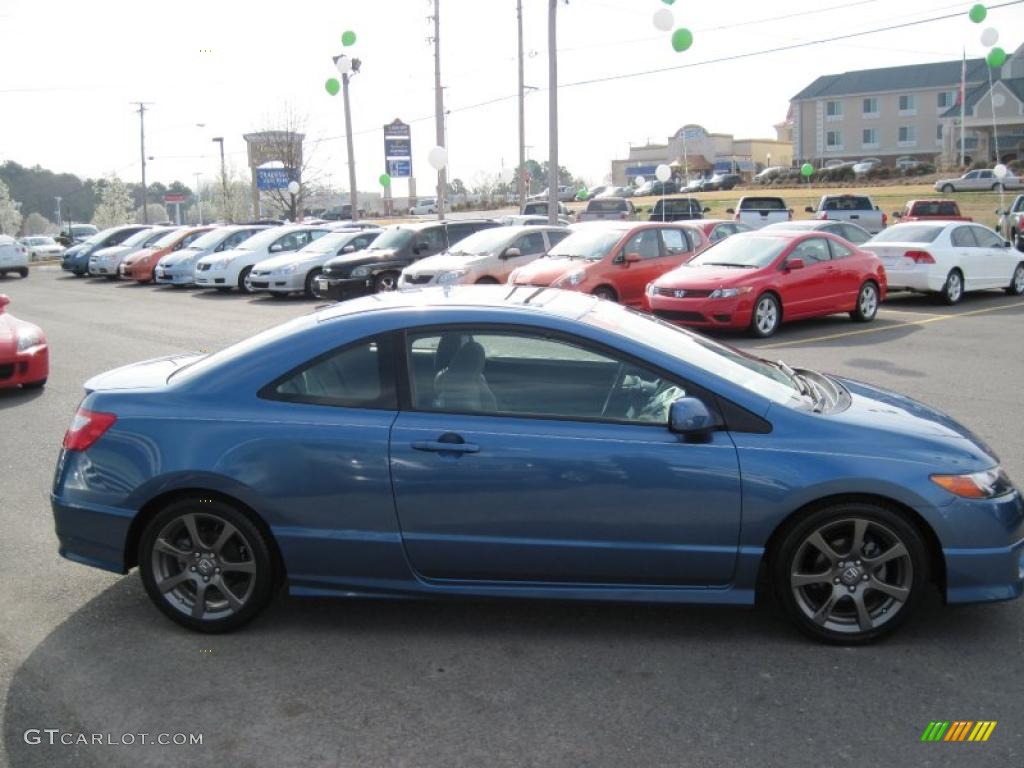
[366,256]
[444,262]
[709,277]
[145,375]
[176,257]
[546,270]
[114,250]
[145,253]
[234,253]
[284,259]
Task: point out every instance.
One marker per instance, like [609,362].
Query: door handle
[437,446]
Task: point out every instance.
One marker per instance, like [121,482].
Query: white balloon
[663,19]
[990,37]
[344,65]
[293,187]
[639,181]
[438,158]
[663,172]
[998,100]
[507,174]
[1000,171]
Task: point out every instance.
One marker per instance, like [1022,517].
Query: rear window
[848,203]
[678,206]
[606,206]
[762,204]
[909,233]
[940,208]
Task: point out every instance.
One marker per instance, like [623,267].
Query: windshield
[392,238]
[328,243]
[99,237]
[139,237]
[744,250]
[909,233]
[592,244]
[484,241]
[168,239]
[747,371]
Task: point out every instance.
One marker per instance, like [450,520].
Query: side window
[811,250]
[457,232]
[675,242]
[645,243]
[508,373]
[855,235]
[555,237]
[431,241]
[962,237]
[531,244]
[721,232]
[986,238]
[361,242]
[839,251]
[188,239]
[290,242]
[359,375]
[315,234]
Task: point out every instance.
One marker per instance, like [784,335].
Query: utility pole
[142,152]
[59,223]
[224,178]
[353,193]
[199,197]
[442,175]
[521,170]
[552,113]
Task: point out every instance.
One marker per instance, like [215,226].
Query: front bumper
[25,367]
[102,268]
[75,266]
[702,312]
[174,275]
[290,283]
[212,278]
[140,271]
[341,288]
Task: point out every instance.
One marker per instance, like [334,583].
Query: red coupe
[759,280]
[24,356]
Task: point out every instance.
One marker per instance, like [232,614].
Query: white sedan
[948,258]
[42,247]
[229,269]
[294,272]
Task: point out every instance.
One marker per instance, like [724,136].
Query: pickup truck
[540,208]
[604,208]
[926,210]
[853,208]
[1011,223]
[757,212]
[678,209]
[980,179]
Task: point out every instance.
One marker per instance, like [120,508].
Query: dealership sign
[398,150]
[273,178]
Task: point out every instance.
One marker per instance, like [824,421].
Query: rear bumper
[926,277]
[91,535]
[25,367]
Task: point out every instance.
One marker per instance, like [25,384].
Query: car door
[995,260]
[809,290]
[526,456]
[967,257]
[630,278]
[845,276]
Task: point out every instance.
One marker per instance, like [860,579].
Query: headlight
[978,485]
[29,339]
[573,278]
[219,263]
[729,293]
[290,269]
[363,271]
[651,290]
[453,276]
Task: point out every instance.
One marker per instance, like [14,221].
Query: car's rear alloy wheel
[850,573]
[386,281]
[867,303]
[206,565]
[766,317]
[953,290]
[1016,286]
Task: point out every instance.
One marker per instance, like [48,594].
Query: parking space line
[861,332]
[911,312]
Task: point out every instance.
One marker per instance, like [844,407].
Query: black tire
[953,289]
[606,292]
[241,280]
[1016,286]
[34,384]
[385,282]
[23,272]
[309,289]
[246,548]
[486,281]
[867,303]
[766,317]
[839,596]
[947,188]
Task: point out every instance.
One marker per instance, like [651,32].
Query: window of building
[834,139]
[834,109]
[908,105]
[907,135]
[945,99]
[938,133]
[869,138]
[870,107]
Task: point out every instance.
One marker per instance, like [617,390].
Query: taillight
[920,257]
[885,219]
[86,428]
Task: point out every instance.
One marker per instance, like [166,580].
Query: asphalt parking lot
[389,683]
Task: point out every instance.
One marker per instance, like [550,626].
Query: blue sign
[399,168]
[397,148]
[640,170]
[273,178]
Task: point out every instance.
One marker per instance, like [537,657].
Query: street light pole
[353,193]
[552,113]
[142,152]
[60,225]
[224,174]
[521,170]
[199,197]
[442,174]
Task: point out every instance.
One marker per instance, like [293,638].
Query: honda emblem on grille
[680,294]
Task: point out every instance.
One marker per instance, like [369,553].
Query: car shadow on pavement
[342,675]
[12,397]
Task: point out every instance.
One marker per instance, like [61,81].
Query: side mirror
[632,258]
[808,209]
[897,214]
[730,210]
[349,249]
[706,210]
[690,418]
[511,253]
[1007,244]
[794,263]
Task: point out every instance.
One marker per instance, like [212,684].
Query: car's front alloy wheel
[850,573]
[766,316]
[1016,286]
[206,565]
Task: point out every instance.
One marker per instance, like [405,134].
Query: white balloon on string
[1001,171]
[663,19]
[438,158]
[990,37]
[663,173]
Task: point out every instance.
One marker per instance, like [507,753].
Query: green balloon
[385,180]
[978,13]
[682,39]
[807,169]
[996,57]
[333,86]
[348,38]
[668,2]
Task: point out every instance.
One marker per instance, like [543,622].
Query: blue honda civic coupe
[528,443]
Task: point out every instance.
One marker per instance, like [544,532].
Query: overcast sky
[68,70]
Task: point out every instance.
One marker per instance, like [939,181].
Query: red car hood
[708,277]
[545,271]
[144,254]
